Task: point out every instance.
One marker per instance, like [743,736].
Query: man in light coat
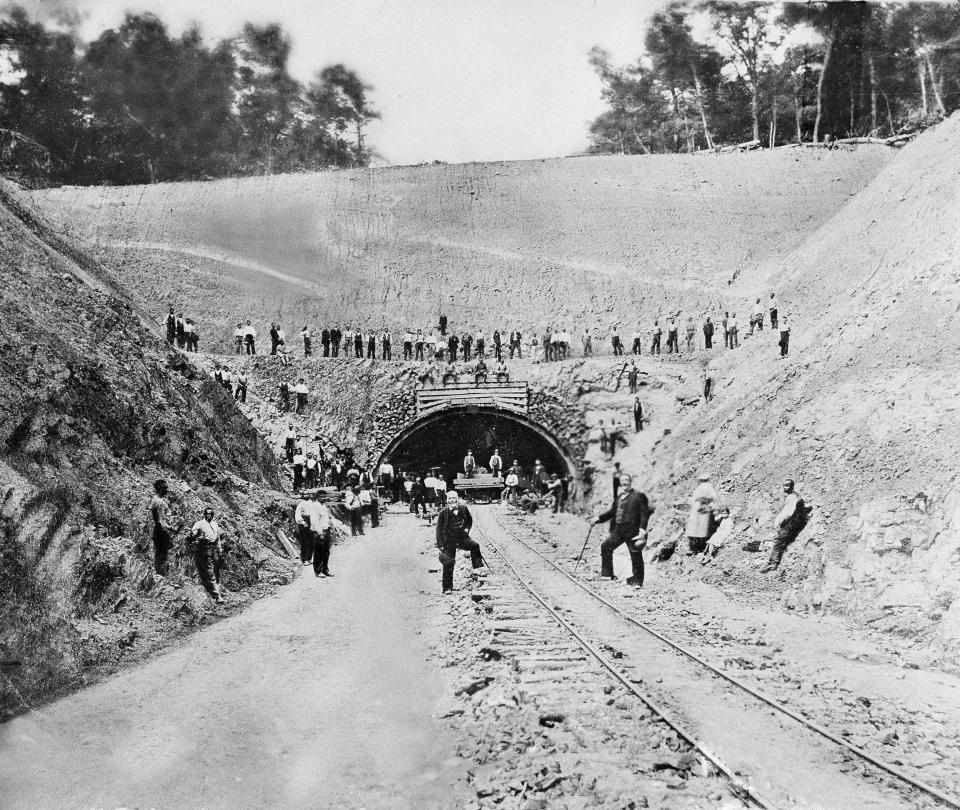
[701,513]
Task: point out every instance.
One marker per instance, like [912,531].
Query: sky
[455,80]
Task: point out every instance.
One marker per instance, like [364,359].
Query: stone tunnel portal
[441,439]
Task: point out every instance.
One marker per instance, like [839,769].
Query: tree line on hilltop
[138,105]
[716,72]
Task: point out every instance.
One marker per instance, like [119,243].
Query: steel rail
[740,788]
[930,790]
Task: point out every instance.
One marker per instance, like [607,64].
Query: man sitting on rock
[501,372]
[480,372]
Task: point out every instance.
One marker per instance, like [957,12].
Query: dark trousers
[375,514]
[251,346]
[783,539]
[697,544]
[297,477]
[241,393]
[707,389]
[326,349]
[419,352]
[416,502]
[321,552]
[207,567]
[301,402]
[288,447]
[480,349]
[307,347]
[784,343]
[655,345]
[636,346]
[673,345]
[161,551]
[306,539]
[617,347]
[498,351]
[611,544]
[638,422]
[385,352]
[356,522]
[773,319]
[407,351]
[371,351]
[336,349]
[449,553]
[707,340]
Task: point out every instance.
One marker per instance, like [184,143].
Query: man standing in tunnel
[453,533]
[469,464]
[628,518]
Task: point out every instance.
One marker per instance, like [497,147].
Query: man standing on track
[628,518]
[453,533]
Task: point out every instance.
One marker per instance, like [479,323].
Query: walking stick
[580,556]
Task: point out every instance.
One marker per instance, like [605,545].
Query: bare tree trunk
[934,83]
[359,143]
[773,123]
[703,113]
[755,109]
[922,75]
[886,101]
[823,75]
[853,109]
[873,95]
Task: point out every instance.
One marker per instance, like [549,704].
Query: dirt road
[321,696]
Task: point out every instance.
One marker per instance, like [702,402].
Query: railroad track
[772,755]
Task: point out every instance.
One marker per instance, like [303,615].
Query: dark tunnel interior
[444,441]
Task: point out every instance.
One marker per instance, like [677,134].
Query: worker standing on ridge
[313,530]
[284,396]
[788,523]
[250,338]
[772,304]
[784,337]
[637,415]
[469,464]
[708,333]
[656,334]
[290,442]
[162,527]
[453,533]
[274,338]
[206,532]
[301,390]
[628,518]
[307,341]
[171,322]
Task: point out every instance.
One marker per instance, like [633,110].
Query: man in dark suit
[628,518]
[325,341]
[453,532]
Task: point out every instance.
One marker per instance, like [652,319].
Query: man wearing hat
[469,464]
[701,514]
[206,532]
[453,532]
[628,518]
[313,532]
[788,523]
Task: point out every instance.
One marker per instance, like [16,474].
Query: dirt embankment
[863,412]
[581,241]
[93,409]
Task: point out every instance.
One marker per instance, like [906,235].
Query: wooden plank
[287,545]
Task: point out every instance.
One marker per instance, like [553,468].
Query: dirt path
[322,696]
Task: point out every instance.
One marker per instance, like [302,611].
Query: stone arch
[452,412]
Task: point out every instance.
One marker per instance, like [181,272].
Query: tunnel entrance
[441,439]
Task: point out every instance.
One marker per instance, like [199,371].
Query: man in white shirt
[206,533]
[307,341]
[240,392]
[313,532]
[479,342]
[299,459]
[784,336]
[512,482]
[757,319]
[250,338]
[637,339]
[418,345]
[311,471]
[587,342]
[431,344]
[290,442]
[385,474]
[732,328]
[386,351]
[772,305]
[238,334]
[347,341]
[408,345]
[440,488]
[301,390]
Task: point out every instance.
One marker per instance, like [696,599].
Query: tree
[339,97]
[680,62]
[749,34]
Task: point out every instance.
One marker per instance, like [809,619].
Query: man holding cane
[628,518]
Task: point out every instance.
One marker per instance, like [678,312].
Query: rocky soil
[93,409]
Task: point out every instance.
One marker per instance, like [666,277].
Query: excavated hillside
[864,413]
[93,409]
[585,240]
